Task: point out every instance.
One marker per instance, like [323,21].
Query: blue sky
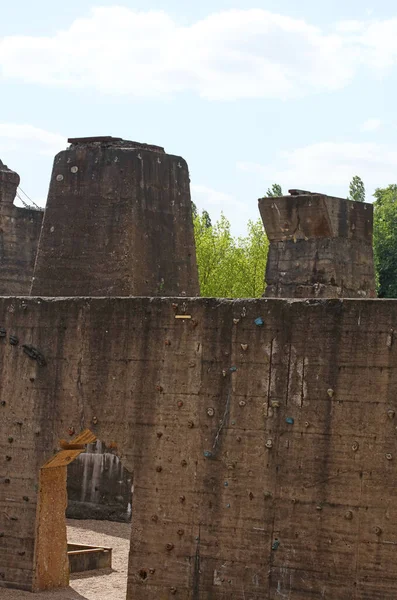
[249,93]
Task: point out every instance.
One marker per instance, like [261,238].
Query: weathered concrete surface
[19,237]
[118,222]
[320,246]
[98,486]
[263,456]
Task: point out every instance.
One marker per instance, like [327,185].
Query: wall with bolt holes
[261,435]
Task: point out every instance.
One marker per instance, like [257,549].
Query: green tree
[357,190]
[194,210]
[275,190]
[385,240]
[206,218]
[230,267]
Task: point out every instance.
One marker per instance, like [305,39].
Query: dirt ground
[93,585]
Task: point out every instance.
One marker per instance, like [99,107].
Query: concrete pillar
[118,222]
[320,246]
[19,237]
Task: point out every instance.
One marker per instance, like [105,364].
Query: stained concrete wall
[320,246]
[261,437]
[19,237]
[118,222]
[98,486]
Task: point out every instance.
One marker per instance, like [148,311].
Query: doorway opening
[84,507]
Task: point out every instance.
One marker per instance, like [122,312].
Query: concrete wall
[263,453]
[19,237]
[98,486]
[118,222]
[320,247]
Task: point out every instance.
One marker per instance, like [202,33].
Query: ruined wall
[319,247]
[19,237]
[261,436]
[118,222]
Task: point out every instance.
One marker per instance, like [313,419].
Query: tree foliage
[275,190]
[385,240]
[230,267]
[357,189]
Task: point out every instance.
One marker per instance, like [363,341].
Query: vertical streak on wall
[52,567]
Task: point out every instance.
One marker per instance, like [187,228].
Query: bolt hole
[143,574]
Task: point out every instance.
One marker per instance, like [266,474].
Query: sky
[249,92]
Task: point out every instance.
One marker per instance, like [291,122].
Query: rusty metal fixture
[224,372]
[244,347]
[235,321]
[154,518]
[71,431]
[330,392]
[238,438]
[159,388]
[210,411]
[173,591]
[167,343]
[95,420]
[190,424]
[180,532]
[152,571]
[182,499]
[242,403]
[169,547]
[269,444]
[391,413]
[349,515]
[389,456]
[307,424]
[159,434]
[184,463]
[180,404]
[377,530]
[159,468]
[142,574]
[355,446]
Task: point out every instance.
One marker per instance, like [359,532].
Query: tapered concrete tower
[118,222]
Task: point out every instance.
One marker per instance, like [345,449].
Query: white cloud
[15,136]
[371,125]
[227,55]
[319,167]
